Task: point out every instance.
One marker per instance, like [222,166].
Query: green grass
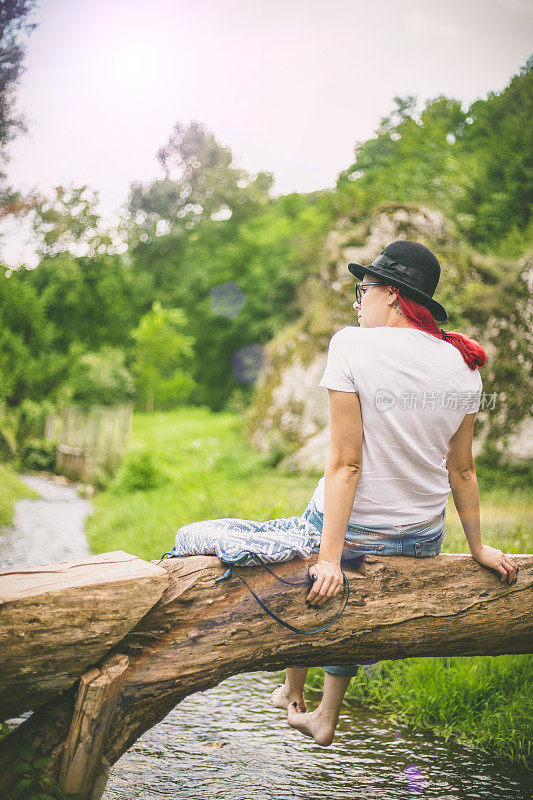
[485,702]
[13,489]
[200,467]
[205,470]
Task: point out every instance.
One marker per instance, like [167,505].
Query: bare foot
[280,699]
[311,724]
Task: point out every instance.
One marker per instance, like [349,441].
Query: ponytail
[421,317]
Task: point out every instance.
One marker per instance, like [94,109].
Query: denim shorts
[417,540]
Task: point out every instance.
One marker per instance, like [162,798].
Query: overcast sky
[289,85]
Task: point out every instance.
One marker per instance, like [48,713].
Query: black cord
[230,571]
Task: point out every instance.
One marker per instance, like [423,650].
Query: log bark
[201,632]
[56,620]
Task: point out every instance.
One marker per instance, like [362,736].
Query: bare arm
[341,477]
[463,482]
[465,493]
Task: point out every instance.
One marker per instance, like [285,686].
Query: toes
[291,711]
[300,707]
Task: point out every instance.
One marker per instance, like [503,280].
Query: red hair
[418,315]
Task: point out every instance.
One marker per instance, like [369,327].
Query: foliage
[30,420]
[94,301]
[475,165]
[101,378]
[161,348]
[492,471]
[14,15]
[30,365]
[497,155]
[199,183]
[137,472]
[37,454]
[7,442]
[68,222]
[256,266]
[243,277]
[33,782]
[22,436]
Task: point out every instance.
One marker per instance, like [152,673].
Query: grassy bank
[486,701]
[13,489]
[198,466]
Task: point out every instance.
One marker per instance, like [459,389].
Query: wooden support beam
[95,704]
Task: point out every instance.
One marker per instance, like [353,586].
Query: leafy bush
[30,418]
[100,478]
[101,378]
[492,474]
[137,472]
[7,443]
[33,781]
[38,454]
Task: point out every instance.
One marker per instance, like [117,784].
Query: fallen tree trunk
[201,632]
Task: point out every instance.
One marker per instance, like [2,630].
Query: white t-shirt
[414,390]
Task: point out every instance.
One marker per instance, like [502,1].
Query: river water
[230,743]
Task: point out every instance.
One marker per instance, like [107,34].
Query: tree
[30,364]
[475,165]
[94,301]
[159,353]
[199,183]
[13,24]
[158,638]
[69,222]
[498,156]
[266,257]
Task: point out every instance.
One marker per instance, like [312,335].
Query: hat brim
[437,311]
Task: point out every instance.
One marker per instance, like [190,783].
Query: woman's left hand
[328,582]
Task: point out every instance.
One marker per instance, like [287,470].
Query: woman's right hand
[495,559]
[328,581]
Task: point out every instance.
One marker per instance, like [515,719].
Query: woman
[413,390]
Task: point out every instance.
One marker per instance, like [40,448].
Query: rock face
[487,299]
[363,243]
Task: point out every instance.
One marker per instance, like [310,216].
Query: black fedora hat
[411,267]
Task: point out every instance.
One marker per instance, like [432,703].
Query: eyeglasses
[361,288]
